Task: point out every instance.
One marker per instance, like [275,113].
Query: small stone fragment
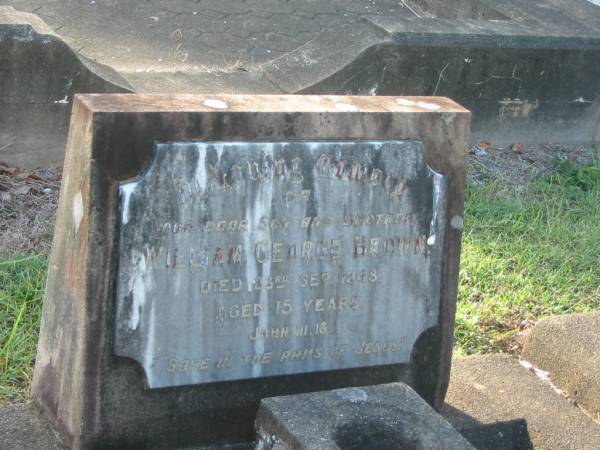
[517,148]
[22,190]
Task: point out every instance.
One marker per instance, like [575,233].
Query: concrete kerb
[39,74]
[529,73]
[497,405]
[568,348]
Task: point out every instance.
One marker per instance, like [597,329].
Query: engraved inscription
[244,260]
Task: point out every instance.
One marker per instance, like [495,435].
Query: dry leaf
[484,145]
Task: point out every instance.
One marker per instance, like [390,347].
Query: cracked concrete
[493,56]
[134,37]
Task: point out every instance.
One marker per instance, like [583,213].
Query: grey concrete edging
[568,347]
[499,405]
[39,74]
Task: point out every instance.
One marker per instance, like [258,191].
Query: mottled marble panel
[251,259]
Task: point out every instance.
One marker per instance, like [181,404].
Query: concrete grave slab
[498,404]
[540,419]
[528,70]
[115,199]
[382,417]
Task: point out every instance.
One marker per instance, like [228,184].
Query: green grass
[525,256]
[21,290]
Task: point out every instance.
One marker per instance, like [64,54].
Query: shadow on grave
[508,435]
[375,435]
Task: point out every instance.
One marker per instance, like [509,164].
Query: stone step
[568,348]
[497,404]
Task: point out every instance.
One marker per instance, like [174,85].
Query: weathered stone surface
[387,416]
[568,347]
[499,405]
[24,427]
[505,74]
[246,260]
[39,74]
[528,69]
[99,400]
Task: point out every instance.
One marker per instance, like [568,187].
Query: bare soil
[503,165]
[28,201]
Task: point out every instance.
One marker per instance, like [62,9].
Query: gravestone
[213,251]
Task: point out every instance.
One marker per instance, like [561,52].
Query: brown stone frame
[97,400]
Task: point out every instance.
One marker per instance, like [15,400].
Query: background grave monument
[213,251]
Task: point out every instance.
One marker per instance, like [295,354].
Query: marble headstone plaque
[241,260]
